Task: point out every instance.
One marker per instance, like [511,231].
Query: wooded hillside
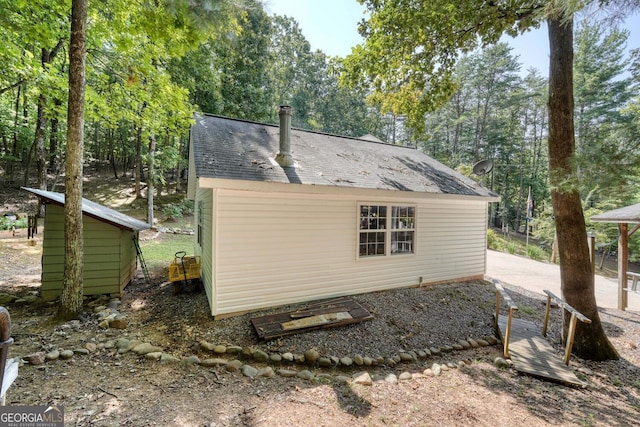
[150,67]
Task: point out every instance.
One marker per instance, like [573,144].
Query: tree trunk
[152,151]
[137,164]
[576,276]
[71,299]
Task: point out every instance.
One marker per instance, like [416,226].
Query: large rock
[7,298]
[144,348]
[362,378]
[119,323]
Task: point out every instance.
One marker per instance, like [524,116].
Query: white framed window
[200,222]
[386,229]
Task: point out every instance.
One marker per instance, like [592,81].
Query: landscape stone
[457,347]
[367,361]
[436,369]
[446,349]
[144,348]
[391,378]
[234,349]
[249,371]
[428,372]
[405,376]
[324,362]
[422,354]
[275,357]
[266,372]
[362,378]
[247,352]
[99,308]
[334,360]
[346,361]
[482,343]
[192,360]
[233,365]
[206,346]
[305,375]
[435,351]
[80,351]
[168,358]
[91,347]
[287,356]
[7,298]
[287,373]
[260,356]
[109,344]
[299,358]
[341,379]
[473,343]
[52,355]
[311,356]
[492,340]
[465,344]
[66,354]
[153,356]
[210,363]
[104,324]
[406,357]
[118,323]
[358,360]
[37,358]
[220,349]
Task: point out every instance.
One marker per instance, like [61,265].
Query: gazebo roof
[627,214]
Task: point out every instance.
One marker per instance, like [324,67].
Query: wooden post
[570,334]
[546,316]
[591,236]
[623,257]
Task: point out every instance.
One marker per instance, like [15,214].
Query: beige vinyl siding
[206,250]
[276,248]
[105,271]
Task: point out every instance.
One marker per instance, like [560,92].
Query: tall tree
[71,299]
[409,53]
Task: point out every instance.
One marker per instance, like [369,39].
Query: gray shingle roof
[234,149]
[629,214]
[95,210]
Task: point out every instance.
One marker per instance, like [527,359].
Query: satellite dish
[483,167]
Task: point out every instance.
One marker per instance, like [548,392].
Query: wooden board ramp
[317,315]
[532,354]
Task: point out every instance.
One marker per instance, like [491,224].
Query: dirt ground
[105,388]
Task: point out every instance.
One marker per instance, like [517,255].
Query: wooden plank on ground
[271,326]
[532,354]
[311,321]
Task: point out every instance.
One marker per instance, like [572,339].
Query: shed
[623,217]
[110,240]
[288,215]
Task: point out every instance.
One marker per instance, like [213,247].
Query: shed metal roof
[627,214]
[95,210]
[227,148]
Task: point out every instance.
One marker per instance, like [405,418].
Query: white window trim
[388,230]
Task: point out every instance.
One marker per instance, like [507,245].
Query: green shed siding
[109,256]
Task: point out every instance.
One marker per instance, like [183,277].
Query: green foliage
[7,223]
[512,247]
[174,211]
[492,239]
[535,252]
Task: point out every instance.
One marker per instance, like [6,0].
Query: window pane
[402,242]
[372,243]
[373,217]
[402,217]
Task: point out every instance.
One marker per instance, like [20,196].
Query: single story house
[110,240]
[288,215]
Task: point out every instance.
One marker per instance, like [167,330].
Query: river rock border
[233,358]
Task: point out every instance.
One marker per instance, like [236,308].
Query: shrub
[535,252]
[492,239]
[512,247]
[172,211]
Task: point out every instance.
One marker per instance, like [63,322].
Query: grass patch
[159,252]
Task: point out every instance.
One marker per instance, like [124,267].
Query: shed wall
[205,249]
[108,256]
[275,248]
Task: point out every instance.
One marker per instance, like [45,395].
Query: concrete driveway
[536,276]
